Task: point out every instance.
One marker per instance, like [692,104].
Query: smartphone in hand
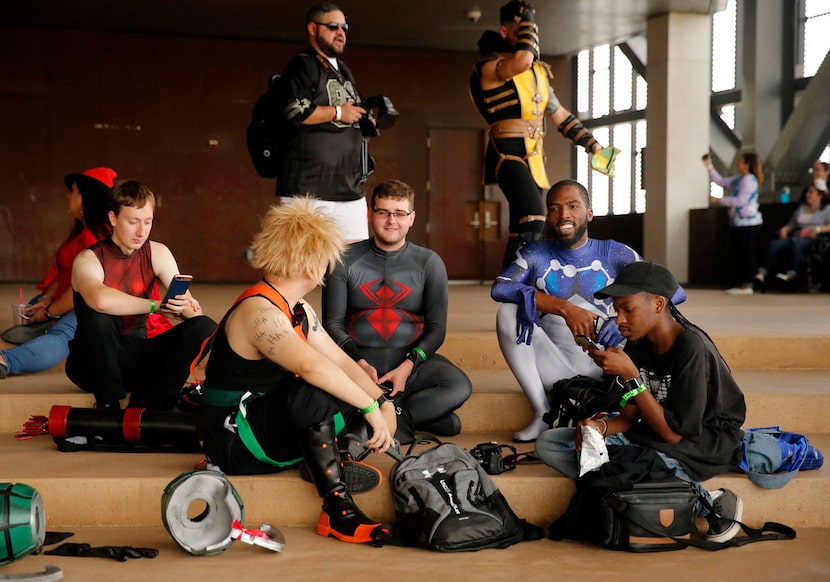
[179,285]
[587,343]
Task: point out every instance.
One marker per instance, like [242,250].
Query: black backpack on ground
[581,397]
[445,501]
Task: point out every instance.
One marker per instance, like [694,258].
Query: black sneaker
[4,371]
[357,477]
[723,521]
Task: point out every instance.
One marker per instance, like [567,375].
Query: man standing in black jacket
[325,154]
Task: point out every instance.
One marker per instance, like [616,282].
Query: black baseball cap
[641,276]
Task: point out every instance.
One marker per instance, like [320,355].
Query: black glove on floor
[120,553]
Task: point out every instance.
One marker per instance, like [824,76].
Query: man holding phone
[113,281]
[548,296]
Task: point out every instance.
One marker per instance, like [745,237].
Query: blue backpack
[771,456]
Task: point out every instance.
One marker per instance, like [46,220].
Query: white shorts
[352,216]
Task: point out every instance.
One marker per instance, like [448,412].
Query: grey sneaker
[4,371]
[723,521]
[20,334]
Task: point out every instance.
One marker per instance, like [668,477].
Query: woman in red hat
[44,341]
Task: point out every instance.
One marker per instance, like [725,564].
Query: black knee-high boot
[340,517]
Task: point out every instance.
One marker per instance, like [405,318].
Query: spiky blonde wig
[297,239]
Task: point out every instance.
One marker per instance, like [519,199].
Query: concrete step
[308,556]
[480,350]
[795,399]
[110,489]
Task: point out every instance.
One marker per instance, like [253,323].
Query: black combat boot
[340,517]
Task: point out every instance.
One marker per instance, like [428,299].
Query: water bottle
[785,195]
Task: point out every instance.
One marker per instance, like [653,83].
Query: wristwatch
[49,315]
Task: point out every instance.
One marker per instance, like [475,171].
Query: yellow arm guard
[603,160]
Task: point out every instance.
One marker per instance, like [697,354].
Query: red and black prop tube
[130,424]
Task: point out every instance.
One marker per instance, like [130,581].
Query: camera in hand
[384,118]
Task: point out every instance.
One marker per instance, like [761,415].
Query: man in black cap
[511,89]
[682,400]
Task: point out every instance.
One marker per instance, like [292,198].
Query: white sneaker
[740,291]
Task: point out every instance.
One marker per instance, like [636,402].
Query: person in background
[745,217]
[44,340]
[113,283]
[795,239]
[325,151]
[299,389]
[821,175]
[511,88]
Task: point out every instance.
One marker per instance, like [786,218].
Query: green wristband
[372,407]
[152,306]
[417,356]
[632,393]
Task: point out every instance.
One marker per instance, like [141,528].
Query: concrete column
[679,89]
[765,58]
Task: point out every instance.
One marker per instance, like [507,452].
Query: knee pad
[208,532]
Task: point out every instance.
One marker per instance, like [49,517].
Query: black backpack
[581,397]
[268,131]
[445,501]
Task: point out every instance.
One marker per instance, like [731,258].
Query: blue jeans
[557,449]
[45,351]
[793,248]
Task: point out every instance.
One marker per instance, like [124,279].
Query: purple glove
[526,316]
[609,334]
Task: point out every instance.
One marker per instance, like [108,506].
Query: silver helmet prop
[209,531]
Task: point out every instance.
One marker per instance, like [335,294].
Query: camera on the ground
[489,457]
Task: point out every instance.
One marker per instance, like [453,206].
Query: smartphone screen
[587,343]
[178,286]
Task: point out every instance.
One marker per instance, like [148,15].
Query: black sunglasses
[333,26]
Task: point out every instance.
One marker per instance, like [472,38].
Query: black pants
[524,197]
[435,389]
[743,247]
[276,419]
[109,365]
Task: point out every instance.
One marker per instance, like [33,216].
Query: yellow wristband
[152,306]
[372,407]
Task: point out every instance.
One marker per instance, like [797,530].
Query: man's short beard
[328,49]
[569,242]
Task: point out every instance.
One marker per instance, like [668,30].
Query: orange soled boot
[340,518]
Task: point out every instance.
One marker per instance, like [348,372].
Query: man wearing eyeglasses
[511,89]
[386,306]
[325,155]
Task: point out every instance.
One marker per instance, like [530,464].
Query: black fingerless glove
[119,553]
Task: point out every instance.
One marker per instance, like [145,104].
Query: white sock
[532,431]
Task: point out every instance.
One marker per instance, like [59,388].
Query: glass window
[623,86]
[724,44]
[816,34]
[607,86]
